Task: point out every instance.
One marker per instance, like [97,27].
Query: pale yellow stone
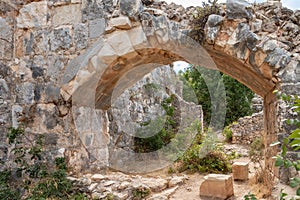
[69,14]
[120,22]
[120,42]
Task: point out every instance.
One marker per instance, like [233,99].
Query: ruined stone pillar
[270,136]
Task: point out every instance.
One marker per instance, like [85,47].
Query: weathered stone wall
[141,104]
[138,112]
[50,48]
[248,128]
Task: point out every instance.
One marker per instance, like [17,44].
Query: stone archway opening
[228,65]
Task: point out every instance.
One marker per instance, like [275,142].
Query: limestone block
[5,30]
[213,28]
[33,15]
[177,180]
[120,42]
[26,92]
[6,50]
[81,35]
[257,58]
[4,90]
[98,177]
[138,38]
[69,14]
[61,39]
[60,2]
[107,54]
[238,9]
[291,72]
[165,194]
[92,10]
[52,93]
[240,171]
[268,45]
[217,186]
[76,1]
[269,26]
[97,27]
[16,113]
[214,20]
[278,58]
[120,22]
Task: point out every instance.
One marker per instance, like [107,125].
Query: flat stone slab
[217,186]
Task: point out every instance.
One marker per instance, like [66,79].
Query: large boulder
[237,9]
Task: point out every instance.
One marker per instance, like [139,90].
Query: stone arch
[231,44]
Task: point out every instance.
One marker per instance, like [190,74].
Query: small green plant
[109,196]
[256,154]
[250,196]
[227,132]
[171,170]
[151,87]
[34,178]
[140,193]
[292,142]
[201,18]
[6,191]
[205,157]
[164,136]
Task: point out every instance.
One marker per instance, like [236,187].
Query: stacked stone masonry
[61,60]
[247,129]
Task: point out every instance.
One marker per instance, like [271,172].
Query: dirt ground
[190,189]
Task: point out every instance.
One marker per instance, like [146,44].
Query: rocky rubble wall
[248,128]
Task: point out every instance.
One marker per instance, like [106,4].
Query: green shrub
[205,157]
[140,193]
[6,190]
[200,19]
[250,196]
[227,132]
[238,96]
[164,136]
[292,142]
[36,178]
[256,154]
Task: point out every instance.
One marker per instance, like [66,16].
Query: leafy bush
[256,154]
[200,19]
[6,191]
[238,96]
[250,196]
[140,193]
[227,132]
[34,178]
[292,142]
[205,157]
[164,136]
